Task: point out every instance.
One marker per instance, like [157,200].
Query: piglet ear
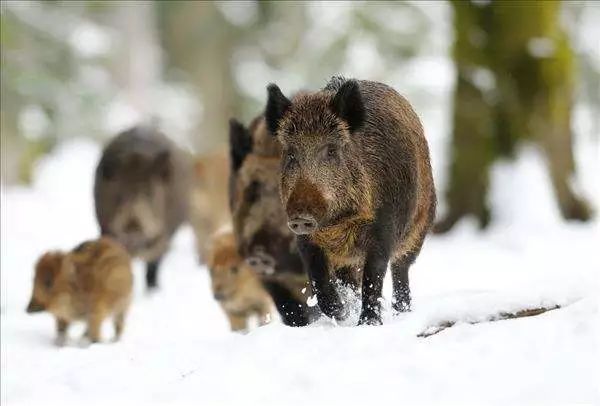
[240,143]
[277,105]
[348,105]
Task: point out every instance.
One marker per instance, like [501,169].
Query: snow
[177,348]
[541,47]
[90,40]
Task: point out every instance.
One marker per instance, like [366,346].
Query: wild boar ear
[348,105]
[277,105]
[240,143]
[162,165]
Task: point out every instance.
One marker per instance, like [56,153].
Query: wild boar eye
[234,270]
[331,151]
[290,159]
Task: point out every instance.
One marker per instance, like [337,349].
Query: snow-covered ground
[177,348]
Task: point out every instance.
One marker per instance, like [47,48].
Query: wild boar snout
[306,207]
[302,224]
[34,306]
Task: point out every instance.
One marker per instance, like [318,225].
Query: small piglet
[92,282]
[235,286]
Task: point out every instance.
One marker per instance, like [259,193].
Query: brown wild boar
[209,210]
[141,193]
[356,185]
[90,283]
[236,287]
[260,223]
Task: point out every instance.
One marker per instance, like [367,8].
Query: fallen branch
[497,317]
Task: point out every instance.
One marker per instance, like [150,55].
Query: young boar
[141,194]
[90,283]
[236,287]
[356,185]
[260,224]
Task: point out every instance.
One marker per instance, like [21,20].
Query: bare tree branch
[496,317]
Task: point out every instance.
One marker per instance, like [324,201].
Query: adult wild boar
[260,224]
[141,194]
[356,185]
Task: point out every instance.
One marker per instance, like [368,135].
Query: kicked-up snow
[177,347]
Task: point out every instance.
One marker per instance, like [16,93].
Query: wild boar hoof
[401,307]
[335,311]
[60,341]
[370,318]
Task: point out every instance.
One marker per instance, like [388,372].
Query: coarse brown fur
[237,288]
[92,282]
[259,221]
[209,209]
[356,184]
[142,193]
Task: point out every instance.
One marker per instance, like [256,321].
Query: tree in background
[515,84]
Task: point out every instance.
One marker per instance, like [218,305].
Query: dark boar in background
[356,185]
[260,224]
[141,194]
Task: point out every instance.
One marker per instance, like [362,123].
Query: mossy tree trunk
[515,83]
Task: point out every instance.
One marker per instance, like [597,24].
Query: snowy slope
[177,348]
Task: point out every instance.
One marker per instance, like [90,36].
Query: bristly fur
[335,83]
[355,161]
[92,282]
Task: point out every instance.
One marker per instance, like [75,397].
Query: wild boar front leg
[373,274]
[321,279]
[264,314]
[152,274]
[348,277]
[62,326]
[237,321]
[94,323]
[119,322]
[401,299]
[375,266]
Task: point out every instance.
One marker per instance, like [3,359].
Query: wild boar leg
[264,315]
[376,262]
[237,321]
[348,278]
[401,287]
[95,319]
[61,331]
[316,263]
[119,322]
[152,274]
[292,311]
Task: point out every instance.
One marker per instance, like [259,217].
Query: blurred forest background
[484,76]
